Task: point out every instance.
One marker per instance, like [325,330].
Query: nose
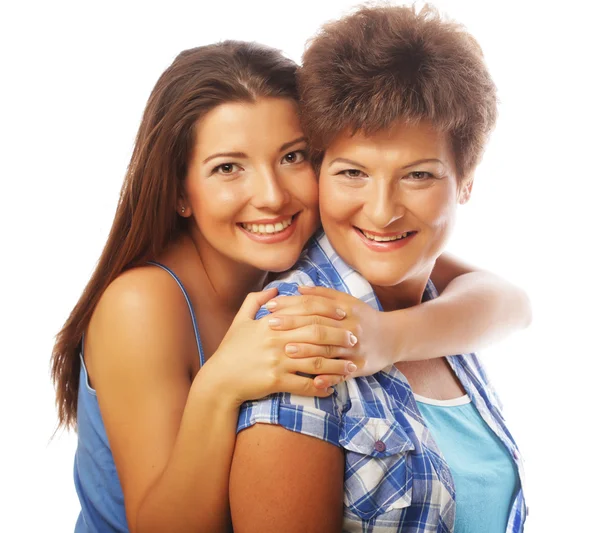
[383,206]
[268,191]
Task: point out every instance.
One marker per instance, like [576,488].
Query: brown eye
[418,175]
[353,173]
[293,157]
[226,168]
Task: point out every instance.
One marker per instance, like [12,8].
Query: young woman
[398,125]
[162,349]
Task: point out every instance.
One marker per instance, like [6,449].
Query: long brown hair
[146,220]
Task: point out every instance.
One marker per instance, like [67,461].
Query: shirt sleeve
[312,416]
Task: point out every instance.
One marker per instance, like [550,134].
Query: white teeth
[378,238]
[267,228]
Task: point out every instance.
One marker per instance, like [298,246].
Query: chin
[382,277]
[278,264]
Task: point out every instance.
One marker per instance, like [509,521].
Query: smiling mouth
[385,238]
[268,228]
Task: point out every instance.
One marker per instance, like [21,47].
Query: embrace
[274,339]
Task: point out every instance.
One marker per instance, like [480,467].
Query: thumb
[253,303]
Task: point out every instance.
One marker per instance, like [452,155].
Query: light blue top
[484,473]
[96,480]
[396,477]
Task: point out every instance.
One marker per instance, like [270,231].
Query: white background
[75,78]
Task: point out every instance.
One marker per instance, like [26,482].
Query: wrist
[215,389]
[403,324]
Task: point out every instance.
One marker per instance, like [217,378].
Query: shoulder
[141,317]
[142,297]
[315,417]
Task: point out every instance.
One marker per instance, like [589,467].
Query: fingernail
[271,304]
[340,312]
[330,390]
[320,384]
[277,322]
[353,339]
[291,348]
[351,367]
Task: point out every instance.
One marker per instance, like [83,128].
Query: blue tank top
[96,480]
[483,471]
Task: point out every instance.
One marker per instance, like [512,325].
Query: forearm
[191,495]
[475,310]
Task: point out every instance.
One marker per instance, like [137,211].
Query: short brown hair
[382,64]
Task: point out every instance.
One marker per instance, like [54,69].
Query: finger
[307,305]
[286,323]
[325,381]
[253,302]
[321,335]
[321,365]
[325,292]
[303,386]
[298,351]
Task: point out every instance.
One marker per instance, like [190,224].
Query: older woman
[398,105]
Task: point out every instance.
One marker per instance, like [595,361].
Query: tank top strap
[189,303]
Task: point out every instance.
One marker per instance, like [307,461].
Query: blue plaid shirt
[396,478]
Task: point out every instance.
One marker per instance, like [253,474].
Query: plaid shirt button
[380,446]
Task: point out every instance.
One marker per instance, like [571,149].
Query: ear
[465,189]
[183,208]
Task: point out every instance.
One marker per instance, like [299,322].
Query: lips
[384,242]
[384,237]
[270,231]
[267,227]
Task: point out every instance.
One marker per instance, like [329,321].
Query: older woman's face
[388,201]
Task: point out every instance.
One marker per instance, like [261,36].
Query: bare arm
[285,481]
[171,434]
[475,308]
[171,440]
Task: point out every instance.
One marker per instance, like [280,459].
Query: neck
[406,294]
[228,280]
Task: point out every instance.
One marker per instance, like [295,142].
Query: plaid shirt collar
[365,402]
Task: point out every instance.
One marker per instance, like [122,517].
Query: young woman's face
[388,201]
[250,187]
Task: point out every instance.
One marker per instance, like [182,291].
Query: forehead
[242,126]
[403,141]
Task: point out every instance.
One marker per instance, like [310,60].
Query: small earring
[183,209]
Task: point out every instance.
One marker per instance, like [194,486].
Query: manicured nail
[351,367]
[271,304]
[291,348]
[340,312]
[353,339]
[274,322]
[320,383]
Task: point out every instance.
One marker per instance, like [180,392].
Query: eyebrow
[347,161]
[354,163]
[241,155]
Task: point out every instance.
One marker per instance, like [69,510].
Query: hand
[377,343]
[251,361]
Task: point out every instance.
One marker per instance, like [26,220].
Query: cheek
[336,203]
[215,202]
[306,189]
[436,208]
